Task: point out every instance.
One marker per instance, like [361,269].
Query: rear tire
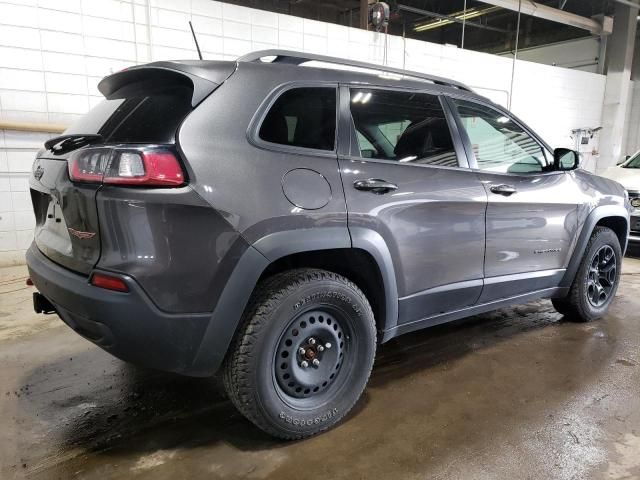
[596,281]
[303,355]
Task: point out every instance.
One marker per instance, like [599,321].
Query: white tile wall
[17,79]
[26,101]
[7,223]
[54,52]
[19,37]
[56,20]
[17,151]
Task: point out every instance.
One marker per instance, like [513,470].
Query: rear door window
[302,117]
[406,127]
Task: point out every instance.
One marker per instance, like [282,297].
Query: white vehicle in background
[627,173]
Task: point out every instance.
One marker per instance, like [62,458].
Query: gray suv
[279,216]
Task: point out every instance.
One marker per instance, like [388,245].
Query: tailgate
[143,105]
[66,216]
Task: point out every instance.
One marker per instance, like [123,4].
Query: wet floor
[518,393]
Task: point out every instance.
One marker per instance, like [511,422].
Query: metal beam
[364,14]
[538,10]
[629,3]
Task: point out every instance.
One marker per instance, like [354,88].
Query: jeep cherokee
[279,216]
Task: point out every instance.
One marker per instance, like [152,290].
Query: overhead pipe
[515,56]
[464,21]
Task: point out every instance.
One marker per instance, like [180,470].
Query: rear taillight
[88,165]
[126,166]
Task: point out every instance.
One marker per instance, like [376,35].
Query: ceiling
[487,28]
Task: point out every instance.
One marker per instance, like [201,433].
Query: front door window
[499,144]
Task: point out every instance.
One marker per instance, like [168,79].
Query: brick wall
[54,52]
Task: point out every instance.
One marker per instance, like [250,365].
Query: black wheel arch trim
[596,215]
[372,242]
[228,312]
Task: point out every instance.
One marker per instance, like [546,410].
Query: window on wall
[406,127]
[498,143]
[302,117]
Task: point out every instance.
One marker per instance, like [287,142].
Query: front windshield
[633,162]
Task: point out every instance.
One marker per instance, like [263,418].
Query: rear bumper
[127,325]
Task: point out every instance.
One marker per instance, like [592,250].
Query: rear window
[138,114]
[302,117]
[406,127]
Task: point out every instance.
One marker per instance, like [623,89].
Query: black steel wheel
[596,281]
[310,354]
[303,355]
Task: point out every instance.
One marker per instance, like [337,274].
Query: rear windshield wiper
[66,143]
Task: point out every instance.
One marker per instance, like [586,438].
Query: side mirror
[565,159]
[620,162]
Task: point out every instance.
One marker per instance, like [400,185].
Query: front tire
[596,281]
[303,355]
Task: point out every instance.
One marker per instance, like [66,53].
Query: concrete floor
[518,393]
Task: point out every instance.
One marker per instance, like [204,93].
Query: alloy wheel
[601,276]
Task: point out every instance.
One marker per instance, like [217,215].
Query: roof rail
[297,58]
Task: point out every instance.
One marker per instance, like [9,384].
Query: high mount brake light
[126,166]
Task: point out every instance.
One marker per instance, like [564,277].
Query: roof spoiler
[203,77]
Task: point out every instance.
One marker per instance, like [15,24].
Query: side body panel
[534,228]
[530,234]
[600,198]
[433,225]
[160,238]
[595,192]
[244,181]
[266,193]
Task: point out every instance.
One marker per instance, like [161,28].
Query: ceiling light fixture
[462,15]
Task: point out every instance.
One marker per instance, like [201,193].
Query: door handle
[505,190]
[375,185]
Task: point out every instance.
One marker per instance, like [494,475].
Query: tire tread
[574,306]
[236,372]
